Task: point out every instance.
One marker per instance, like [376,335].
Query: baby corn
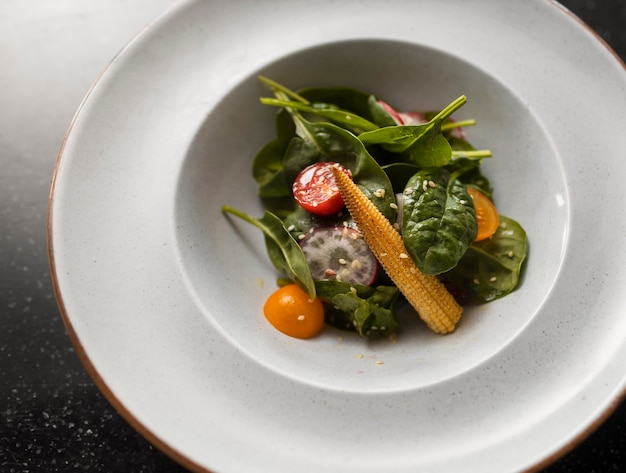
[428,296]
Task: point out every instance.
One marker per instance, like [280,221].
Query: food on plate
[352,184]
[428,296]
[290,310]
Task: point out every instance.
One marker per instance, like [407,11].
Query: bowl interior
[224,261]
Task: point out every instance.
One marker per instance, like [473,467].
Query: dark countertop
[52,416]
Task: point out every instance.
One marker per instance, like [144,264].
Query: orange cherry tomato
[290,311]
[486,214]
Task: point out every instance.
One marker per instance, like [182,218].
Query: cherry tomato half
[290,311]
[486,214]
[316,191]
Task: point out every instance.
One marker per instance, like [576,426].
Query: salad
[369,208]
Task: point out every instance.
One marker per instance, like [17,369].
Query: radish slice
[412,118]
[339,253]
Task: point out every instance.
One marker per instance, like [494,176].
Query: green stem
[276,87]
[461,123]
[450,109]
[472,154]
[238,213]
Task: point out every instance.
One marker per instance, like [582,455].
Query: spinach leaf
[283,250]
[344,98]
[267,167]
[438,220]
[380,116]
[348,120]
[422,145]
[491,268]
[399,174]
[367,310]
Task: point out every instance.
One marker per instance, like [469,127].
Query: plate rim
[92,370]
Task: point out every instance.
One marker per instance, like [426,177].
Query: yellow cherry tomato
[486,214]
[290,310]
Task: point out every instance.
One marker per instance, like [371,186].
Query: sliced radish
[413,118]
[339,253]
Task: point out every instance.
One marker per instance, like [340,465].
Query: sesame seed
[432,184]
[356,264]
[408,190]
[492,279]
[301,236]
[403,255]
[359,356]
[476,281]
[379,362]
[380,193]
[301,317]
[463,201]
[353,289]
[393,206]
[342,261]
[291,228]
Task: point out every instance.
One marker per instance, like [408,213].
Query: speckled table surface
[52,416]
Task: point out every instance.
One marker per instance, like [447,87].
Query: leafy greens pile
[385,158]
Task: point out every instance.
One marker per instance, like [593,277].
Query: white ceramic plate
[162,294]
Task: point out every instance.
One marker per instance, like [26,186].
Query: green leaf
[380,116]
[430,151]
[347,119]
[422,145]
[344,98]
[367,310]
[399,174]
[491,268]
[396,138]
[283,250]
[267,167]
[438,220]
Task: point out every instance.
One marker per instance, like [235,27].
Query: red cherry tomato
[316,191]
